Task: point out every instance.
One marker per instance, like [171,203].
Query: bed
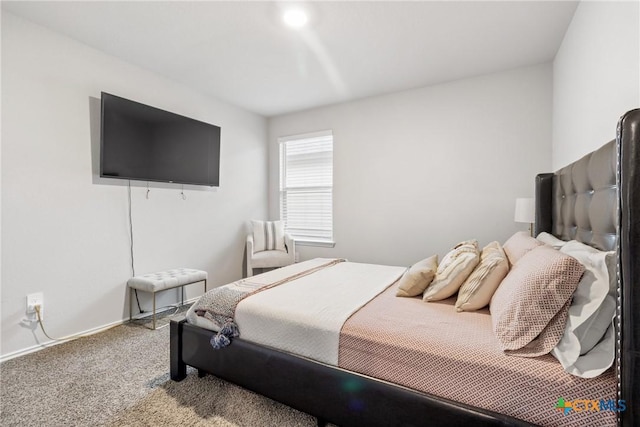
[361,395]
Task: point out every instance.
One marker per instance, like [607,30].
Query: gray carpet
[120,377]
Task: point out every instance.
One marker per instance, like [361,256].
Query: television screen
[145,143]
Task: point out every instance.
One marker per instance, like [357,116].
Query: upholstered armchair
[268,246]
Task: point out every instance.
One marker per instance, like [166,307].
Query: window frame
[282,166]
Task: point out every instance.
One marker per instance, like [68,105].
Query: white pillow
[587,347]
[551,240]
[268,236]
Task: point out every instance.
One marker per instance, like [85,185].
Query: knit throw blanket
[219,304]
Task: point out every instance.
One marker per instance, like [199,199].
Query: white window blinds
[306,186]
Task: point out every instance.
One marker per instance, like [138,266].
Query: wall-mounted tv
[140,142]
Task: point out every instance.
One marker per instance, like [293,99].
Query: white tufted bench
[163,280]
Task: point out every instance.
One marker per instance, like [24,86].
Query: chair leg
[154,311]
[205,286]
[130,304]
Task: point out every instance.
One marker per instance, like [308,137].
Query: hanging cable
[133,267]
[148,190]
[68,337]
[184,197]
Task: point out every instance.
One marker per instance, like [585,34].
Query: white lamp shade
[525,210]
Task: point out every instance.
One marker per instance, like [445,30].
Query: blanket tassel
[223,338]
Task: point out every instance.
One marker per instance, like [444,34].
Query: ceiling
[240,52]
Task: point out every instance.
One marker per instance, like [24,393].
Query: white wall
[596,77]
[65,230]
[415,172]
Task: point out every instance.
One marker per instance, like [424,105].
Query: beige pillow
[529,309]
[518,245]
[416,279]
[476,292]
[455,267]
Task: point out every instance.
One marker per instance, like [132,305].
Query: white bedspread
[305,316]
[269,277]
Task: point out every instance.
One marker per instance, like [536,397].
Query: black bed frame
[349,399]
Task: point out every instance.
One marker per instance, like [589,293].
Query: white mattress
[305,316]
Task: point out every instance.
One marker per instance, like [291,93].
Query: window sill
[317,243]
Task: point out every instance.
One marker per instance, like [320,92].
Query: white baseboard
[39,347]
[92,331]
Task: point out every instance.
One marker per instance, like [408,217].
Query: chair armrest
[290,244]
[249,271]
[249,244]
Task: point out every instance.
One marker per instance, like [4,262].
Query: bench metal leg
[154,311]
[131,296]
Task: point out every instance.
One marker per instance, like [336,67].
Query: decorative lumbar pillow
[587,347]
[268,236]
[518,245]
[476,292]
[529,310]
[551,240]
[455,267]
[416,279]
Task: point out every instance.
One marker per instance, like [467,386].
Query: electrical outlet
[32,301]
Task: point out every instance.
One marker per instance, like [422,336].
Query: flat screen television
[140,142]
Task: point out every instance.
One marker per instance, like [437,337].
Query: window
[306,187]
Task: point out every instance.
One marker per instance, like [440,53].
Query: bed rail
[628,315]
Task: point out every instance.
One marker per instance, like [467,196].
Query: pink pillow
[529,309]
[518,245]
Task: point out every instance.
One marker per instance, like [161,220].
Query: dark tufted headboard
[596,200]
[583,199]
